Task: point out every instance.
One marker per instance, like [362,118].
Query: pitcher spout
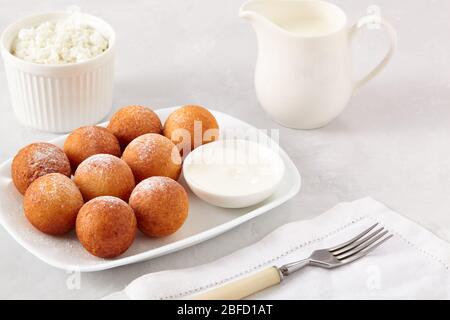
[265,14]
[248,15]
[249,11]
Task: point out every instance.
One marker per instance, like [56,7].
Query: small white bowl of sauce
[233,173]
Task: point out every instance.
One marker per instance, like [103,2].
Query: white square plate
[204,221]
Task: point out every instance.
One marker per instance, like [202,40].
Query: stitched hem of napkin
[294,249]
[409,243]
[262,264]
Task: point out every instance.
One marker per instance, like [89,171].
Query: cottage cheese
[59,42]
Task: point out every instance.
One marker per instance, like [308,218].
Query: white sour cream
[233,169]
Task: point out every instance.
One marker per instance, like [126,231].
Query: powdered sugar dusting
[106,202]
[95,134]
[90,131]
[138,112]
[38,159]
[145,145]
[54,187]
[99,163]
[57,184]
[46,153]
[163,184]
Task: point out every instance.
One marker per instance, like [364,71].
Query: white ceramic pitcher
[305,80]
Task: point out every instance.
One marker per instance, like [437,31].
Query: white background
[391,143]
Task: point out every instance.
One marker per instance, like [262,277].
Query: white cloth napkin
[414,264]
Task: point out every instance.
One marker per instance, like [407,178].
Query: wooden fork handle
[243,287]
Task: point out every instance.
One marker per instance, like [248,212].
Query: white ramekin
[59,98]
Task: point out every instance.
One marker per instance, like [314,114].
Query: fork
[330,258]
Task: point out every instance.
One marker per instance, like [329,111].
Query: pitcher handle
[370,19]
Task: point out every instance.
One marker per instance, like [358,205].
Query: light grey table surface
[391,143]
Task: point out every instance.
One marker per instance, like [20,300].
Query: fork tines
[360,245]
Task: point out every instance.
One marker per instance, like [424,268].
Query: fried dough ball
[104,175]
[106,226]
[87,141]
[191,126]
[51,203]
[153,155]
[161,206]
[131,122]
[37,160]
